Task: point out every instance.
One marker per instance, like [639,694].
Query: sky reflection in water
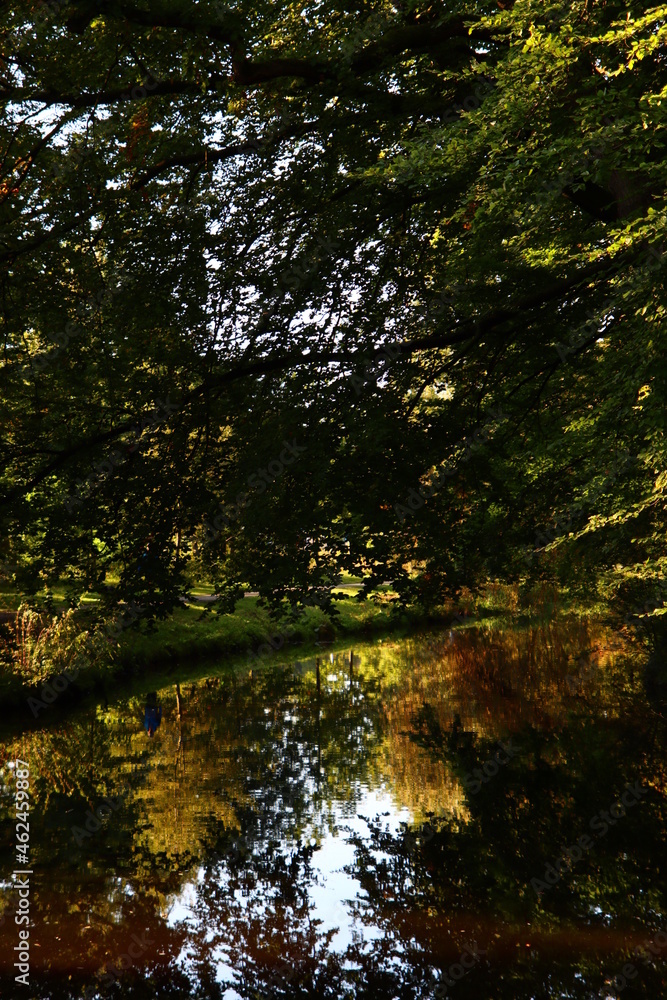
[276,842]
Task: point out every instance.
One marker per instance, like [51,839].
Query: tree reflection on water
[276,840]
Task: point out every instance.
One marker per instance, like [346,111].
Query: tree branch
[205,157]
[227,31]
[249,72]
[284,362]
[113,95]
[414,38]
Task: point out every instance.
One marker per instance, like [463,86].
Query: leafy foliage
[363,229]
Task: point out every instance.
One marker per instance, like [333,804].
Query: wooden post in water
[319,747]
[92,745]
[351,665]
[180,749]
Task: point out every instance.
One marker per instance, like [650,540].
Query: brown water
[275,841]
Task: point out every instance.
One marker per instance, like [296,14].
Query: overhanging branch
[208,157]
[284,362]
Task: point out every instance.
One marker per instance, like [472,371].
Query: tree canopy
[268,270]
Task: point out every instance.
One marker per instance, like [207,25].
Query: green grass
[191,636]
[192,632]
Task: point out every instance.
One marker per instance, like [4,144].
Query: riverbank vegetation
[44,657]
[377,292]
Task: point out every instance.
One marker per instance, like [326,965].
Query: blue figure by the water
[152,714]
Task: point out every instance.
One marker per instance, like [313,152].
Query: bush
[44,650]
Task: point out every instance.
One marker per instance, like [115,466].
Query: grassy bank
[190,637]
[193,633]
[193,636]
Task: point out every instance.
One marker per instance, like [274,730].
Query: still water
[471,815]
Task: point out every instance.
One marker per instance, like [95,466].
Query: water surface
[388,835]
